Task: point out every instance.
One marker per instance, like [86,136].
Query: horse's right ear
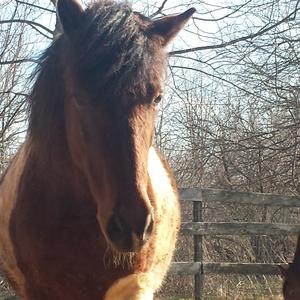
[283,271]
[168,27]
[70,14]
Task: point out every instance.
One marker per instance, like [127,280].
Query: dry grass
[226,287]
[216,288]
[6,293]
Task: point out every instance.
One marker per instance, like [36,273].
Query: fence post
[198,250]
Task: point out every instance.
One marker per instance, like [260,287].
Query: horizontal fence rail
[238,228]
[225,196]
[192,268]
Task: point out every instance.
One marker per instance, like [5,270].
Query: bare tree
[22,36]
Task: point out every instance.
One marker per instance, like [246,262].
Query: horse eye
[158,99]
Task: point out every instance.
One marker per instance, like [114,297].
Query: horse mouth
[127,247]
[130,243]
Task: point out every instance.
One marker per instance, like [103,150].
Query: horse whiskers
[117,259]
[123,259]
[106,258]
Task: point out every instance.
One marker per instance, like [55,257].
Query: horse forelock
[113,48]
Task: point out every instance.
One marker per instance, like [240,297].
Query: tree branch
[290,17]
[159,9]
[31,23]
[36,6]
[19,61]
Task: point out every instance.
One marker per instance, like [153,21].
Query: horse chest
[60,250]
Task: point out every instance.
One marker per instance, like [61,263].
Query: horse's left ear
[168,27]
[70,14]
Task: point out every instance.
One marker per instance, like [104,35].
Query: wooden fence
[199,228]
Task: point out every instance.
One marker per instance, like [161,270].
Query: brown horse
[89,210]
[291,276]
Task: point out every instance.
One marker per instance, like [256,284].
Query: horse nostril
[117,229]
[148,228]
[124,236]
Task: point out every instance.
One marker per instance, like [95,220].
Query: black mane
[115,44]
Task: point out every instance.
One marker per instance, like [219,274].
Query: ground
[6,293]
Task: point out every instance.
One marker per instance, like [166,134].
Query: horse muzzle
[126,237]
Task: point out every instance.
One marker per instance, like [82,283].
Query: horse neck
[51,159]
